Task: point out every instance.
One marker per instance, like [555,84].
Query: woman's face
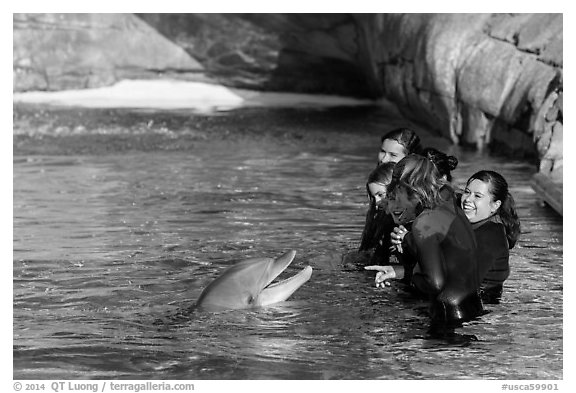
[390,151]
[402,207]
[477,201]
[378,192]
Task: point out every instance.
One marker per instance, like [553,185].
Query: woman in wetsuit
[395,145]
[375,241]
[445,164]
[379,223]
[442,240]
[490,208]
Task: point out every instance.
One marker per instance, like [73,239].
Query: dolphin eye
[250,299]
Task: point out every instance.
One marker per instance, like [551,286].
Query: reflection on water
[110,245]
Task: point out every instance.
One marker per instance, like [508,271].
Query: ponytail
[509,218]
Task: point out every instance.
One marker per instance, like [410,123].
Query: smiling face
[378,192]
[477,201]
[391,151]
[402,206]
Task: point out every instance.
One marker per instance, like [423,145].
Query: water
[120,220]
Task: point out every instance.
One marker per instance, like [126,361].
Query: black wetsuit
[448,271]
[376,236]
[494,256]
[376,240]
[373,230]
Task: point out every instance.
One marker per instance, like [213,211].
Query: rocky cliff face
[483,79]
[75,51]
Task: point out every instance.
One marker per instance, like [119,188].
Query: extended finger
[375,267]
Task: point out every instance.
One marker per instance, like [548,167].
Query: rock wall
[75,51]
[309,53]
[480,79]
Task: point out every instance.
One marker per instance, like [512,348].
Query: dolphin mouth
[282,290]
[249,284]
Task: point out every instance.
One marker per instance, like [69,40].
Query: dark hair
[373,231]
[381,174]
[406,137]
[498,188]
[444,163]
[420,178]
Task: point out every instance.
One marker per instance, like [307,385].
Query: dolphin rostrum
[247,284]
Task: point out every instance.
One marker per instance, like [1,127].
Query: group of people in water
[447,245]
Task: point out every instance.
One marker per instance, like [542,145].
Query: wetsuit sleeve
[368,232]
[409,256]
[493,253]
[409,244]
[430,277]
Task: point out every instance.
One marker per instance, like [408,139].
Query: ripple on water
[110,248]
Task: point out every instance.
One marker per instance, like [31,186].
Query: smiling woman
[442,240]
[491,209]
[119,226]
[477,201]
[397,144]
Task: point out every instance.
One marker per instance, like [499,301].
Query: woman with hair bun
[442,241]
[490,208]
[444,163]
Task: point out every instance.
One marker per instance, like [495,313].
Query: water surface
[121,220]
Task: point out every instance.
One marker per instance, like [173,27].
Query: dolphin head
[247,284]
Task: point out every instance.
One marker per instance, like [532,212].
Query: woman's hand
[397,235]
[384,275]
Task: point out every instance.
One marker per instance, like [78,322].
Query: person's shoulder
[491,233]
[491,227]
[447,193]
[440,212]
[432,221]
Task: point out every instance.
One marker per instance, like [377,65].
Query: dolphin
[247,284]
